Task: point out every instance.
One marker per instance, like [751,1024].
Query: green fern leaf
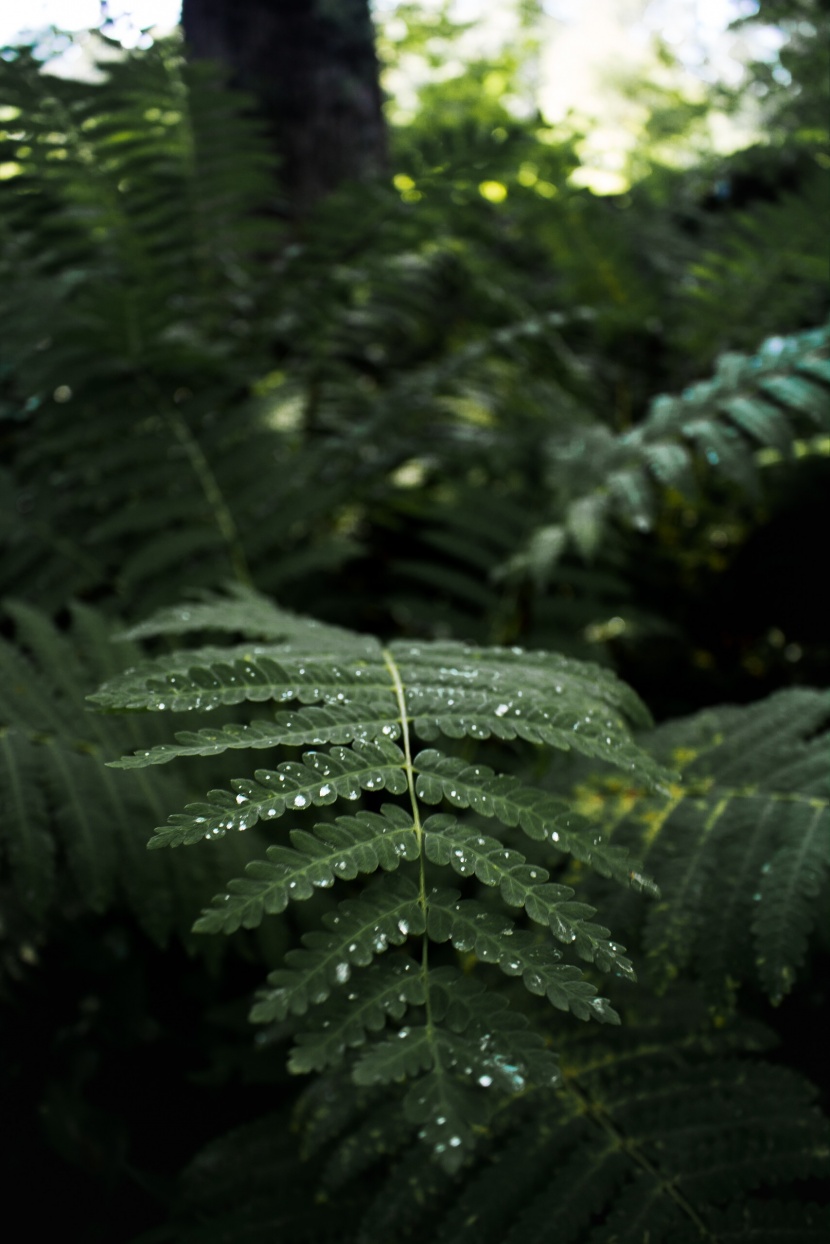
[791,879]
[321,779]
[493,938]
[742,849]
[449,1115]
[75,831]
[333,724]
[753,406]
[352,845]
[523,885]
[542,816]
[761,420]
[387,988]
[267,674]
[358,930]
[796,392]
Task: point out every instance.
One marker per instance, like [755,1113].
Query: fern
[370,704]
[667,1134]
[754,410]
[132,238]
[71,836]
[741,849]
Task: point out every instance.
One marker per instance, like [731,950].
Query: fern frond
[354,691]
[73,830]
[766,403]
[742,849]
[670,1132]
[131,251]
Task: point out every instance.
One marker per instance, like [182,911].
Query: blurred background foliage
[379,410]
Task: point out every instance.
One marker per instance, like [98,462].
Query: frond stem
[400,697]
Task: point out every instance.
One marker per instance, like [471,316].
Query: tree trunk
[312,67]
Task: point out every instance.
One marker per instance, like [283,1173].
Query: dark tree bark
[312,66]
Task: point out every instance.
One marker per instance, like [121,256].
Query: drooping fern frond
[772,403]
[370,704]
[72,833]
[741,850]
[671,1132]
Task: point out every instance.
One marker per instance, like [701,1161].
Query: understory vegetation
[434,584]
